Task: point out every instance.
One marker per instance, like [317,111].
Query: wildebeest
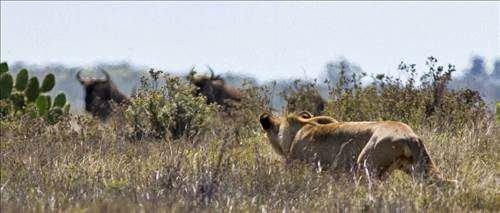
[99,93]
[214,88]
[306,100]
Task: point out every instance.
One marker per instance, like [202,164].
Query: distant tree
[496,70]
[478,69]
[334,68]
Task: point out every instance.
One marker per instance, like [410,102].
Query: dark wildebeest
[214,88]
[306,101]
[99,93]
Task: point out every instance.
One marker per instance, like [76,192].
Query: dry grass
[81,164]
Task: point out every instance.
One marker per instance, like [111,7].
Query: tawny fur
[382,146]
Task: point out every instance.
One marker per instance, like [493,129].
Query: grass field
[498,112]
[96,168]
[83,164]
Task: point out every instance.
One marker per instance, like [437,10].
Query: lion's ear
[305,115]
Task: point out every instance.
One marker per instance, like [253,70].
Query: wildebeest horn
[106,75]
[191,74]
[79,77]
[212,75]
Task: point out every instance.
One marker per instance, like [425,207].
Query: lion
[271,125]
[376,148]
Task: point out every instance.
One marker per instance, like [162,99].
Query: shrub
[166,105]
[387,98]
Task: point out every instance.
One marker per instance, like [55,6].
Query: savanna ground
[169,151]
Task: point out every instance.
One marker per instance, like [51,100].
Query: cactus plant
[17,100]
[21,80]
[32,91]
[48,83]
[66,108]
[5,85]
[43,104]
[4,67]
[60,100]
[54,114]
[25,96]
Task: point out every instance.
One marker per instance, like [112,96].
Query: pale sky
[266,40]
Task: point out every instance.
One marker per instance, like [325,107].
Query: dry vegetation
[222,162]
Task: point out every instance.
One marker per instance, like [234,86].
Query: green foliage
[42,104]
[18,100]
[4,67]
[54,114]
[5,85]
[60,100]
[168,110]
[48,83]
[388,98]
[22,80]
[33,90]
[66,108]
[26,97]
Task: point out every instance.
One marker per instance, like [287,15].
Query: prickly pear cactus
[48,83]
[66,108]
[21,80]
[17,100]
[26,96]
[60,100]
[5,85]
[4,67]
[43,104]
[33,89]
[54,114]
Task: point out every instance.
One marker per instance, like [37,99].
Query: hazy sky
[267,40]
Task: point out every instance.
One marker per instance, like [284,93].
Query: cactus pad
[48,83]
[4,67]
[21,80]
[60,100]
[5,85]
[32,91]
[43,104]
[66,108]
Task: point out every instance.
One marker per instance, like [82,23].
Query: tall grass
[82,164]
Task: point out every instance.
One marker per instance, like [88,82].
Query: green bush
[387,98]
[166,106]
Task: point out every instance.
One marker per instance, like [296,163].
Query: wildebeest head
[309,100]
[99,93]
[214,88]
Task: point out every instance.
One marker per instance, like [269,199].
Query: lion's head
[281,130]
